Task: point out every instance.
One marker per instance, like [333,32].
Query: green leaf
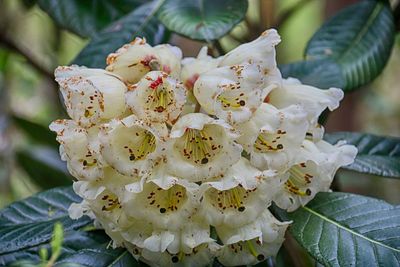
[323,73]
[86,18]
[74,242]
[341,229]
[377,155]
[202,19]
[37,132]
[30,222]
[142,22]
[44,166]
[359,39]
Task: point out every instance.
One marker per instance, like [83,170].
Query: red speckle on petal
[147,59]
[156,83]
[167,69]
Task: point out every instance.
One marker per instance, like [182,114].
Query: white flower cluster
[179,159]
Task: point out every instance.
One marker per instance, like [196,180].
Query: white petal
[312,99]
[202,147]
[273,136]
[129,145]
[157,97]
[260,51]
[79,148]
[232,93]
[91,95]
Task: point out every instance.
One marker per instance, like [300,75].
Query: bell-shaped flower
[314,172]
[232,93]
[80,148]
[238,196]
[252,243]
[272,137]
[157,97]
[199,256]
[132,61]
[129,145]
[193,67]
[166,209]
[91,95]
[261,51]
[312,99]
[202,147]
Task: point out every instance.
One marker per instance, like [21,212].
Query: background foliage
[348,50]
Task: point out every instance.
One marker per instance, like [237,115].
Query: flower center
[267,142]
[110,202]
[298,178]
[232,100]
[199,146]
[248,244]
[167,200]
[160,96]
[139,145]
[234,198]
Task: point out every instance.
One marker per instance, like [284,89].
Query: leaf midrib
[374,14]
[149,17]
[349,230]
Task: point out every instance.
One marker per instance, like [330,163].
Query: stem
[282,19]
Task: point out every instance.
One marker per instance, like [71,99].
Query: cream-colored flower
[193,67]
[312,99]
[157,97]
[252,243]
[238,196]
[201,147]
[232,93]
[91,95]
[132,61]
[80,148]
[314,172]
[261,51]
[164,208]
[272,137]
[129,145]
[199,256]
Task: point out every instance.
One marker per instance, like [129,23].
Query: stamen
[198,146]
[144,144]
[298,179]
[160,97]
[231,103]
[267,142]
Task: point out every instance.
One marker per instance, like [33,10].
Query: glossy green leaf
[140,23]
[323,73]
[44,166]
[86,18]
[377,155]
[359,39]
[36,132]
[341,229]
[202,19]
[30,222]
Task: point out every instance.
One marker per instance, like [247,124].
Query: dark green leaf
[323,73]
[341,229]
[359,39]
[377,155]
[74,242]
[37,132]
[44,167]
[86,18]
[202,19]
[30,222]
[139,23]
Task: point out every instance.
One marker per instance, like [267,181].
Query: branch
[8,43]
[288,13]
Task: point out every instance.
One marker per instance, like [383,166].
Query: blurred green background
[32,46]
